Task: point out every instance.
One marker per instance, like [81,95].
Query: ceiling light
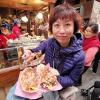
[24,19]
[39,15]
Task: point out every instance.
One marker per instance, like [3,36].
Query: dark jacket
[68,61]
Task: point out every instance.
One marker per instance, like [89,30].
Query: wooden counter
[9,76]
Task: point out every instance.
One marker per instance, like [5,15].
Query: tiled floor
[88,80]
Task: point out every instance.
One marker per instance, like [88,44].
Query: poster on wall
[95,15]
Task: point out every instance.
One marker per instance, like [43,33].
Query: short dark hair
[94,27]
[65,11]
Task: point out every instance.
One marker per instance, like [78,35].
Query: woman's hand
[33,58]
[42,59]
[28,56]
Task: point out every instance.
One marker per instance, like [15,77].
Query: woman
[91,45]
[63,48]
[64,51]
[5,35]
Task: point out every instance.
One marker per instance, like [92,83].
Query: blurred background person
[91,45]
[8,20]
[16,28]
[6,35]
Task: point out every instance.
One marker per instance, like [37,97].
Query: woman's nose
[62,30]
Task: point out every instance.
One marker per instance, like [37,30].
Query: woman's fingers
[30,58]
[42,59]
[26,54]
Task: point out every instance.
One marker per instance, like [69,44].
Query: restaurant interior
[33,15]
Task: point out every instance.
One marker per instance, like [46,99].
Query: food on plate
[48,80]
[54,71]
[32,78]
[29,80]
[44,69]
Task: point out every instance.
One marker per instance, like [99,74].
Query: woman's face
[19,25]
[88,32]
[63,30]
[4,31]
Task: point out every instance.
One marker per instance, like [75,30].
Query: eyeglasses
[89,31]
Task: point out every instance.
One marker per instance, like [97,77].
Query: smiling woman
[64,50]
[91,45]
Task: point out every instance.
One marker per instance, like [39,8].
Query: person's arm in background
[72,78]
[90,54]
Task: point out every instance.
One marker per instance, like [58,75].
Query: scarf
[91,42]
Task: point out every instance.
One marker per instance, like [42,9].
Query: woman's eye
[56,25]
[67,24]
[88,31]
